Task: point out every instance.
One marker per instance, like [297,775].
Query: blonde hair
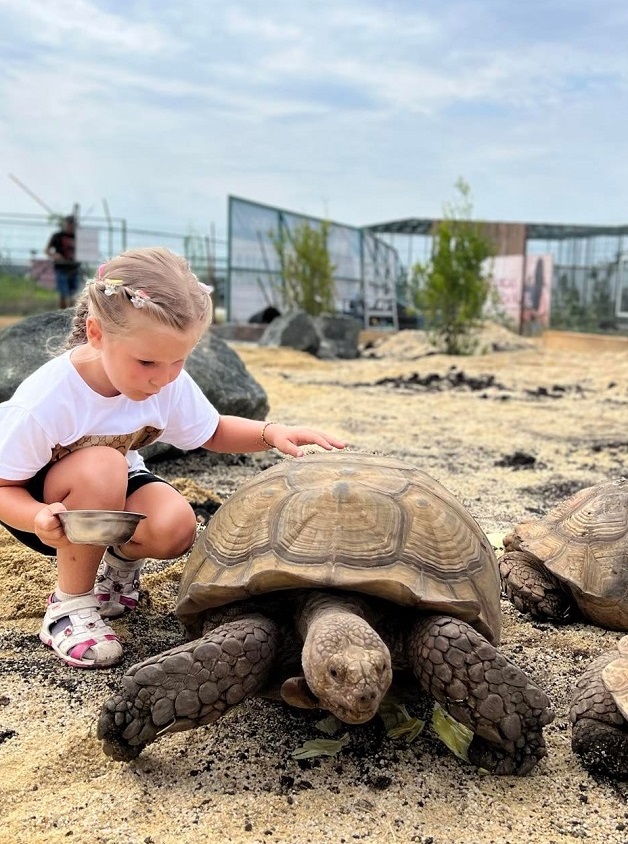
[155,280]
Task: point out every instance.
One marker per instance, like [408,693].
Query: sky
[360,111]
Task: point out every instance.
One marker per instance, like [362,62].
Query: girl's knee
[99,461]
[182,546]
[97,474]
[173,534]
[170,529]
[182,537]
[103,458]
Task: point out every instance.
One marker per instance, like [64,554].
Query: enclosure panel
[363,263]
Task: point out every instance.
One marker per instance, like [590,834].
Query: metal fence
[589,280]
[23,239]
[589,287]
[365,267]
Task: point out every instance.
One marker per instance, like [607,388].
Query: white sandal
[84,640]
[117,586]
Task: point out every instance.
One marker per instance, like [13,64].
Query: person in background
[61,249]
[70,437]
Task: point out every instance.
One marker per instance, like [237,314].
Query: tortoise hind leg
[483,691]
[599,733]
[533,590]
[188,686]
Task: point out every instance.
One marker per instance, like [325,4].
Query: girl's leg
[88,479]
[170,528]
[91,478]
[167,532]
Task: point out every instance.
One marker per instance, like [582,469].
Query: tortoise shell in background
[583,542]
[349,521]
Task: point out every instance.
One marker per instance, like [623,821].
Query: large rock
[339,336]
[294,329]
[215,367]
[324,336]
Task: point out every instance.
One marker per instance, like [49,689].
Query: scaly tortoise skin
[318,578]
[599,713]
[571,564]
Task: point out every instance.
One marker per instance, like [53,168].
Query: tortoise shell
[583,542]
[350,521]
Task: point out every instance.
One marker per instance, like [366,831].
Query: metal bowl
[99,527]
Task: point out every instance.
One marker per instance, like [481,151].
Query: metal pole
[105,205]
[33,195]
[228,309]
[523,280]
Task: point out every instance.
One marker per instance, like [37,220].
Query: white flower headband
[137,297]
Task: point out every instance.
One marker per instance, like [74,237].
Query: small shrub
[306,269]
[454,286]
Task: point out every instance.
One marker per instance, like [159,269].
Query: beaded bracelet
[263,431]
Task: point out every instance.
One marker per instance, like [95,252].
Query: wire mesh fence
[23,240]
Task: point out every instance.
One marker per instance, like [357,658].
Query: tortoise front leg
[599,733]
[188,686]
[532,589]
[483,691]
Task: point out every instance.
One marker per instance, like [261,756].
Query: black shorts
[36,488]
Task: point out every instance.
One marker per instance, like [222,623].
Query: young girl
[72,430]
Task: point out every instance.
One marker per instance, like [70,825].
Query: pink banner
[524,292]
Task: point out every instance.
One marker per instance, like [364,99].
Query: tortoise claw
[507,758]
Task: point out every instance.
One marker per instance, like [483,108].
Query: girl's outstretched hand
[287,439]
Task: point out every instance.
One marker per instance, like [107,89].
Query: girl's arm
[237,435]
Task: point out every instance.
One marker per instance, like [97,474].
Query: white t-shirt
[54,412]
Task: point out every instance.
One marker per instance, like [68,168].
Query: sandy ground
[510,433]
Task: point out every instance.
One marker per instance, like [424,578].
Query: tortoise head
[347,666]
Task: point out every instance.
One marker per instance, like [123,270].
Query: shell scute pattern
[584,540]
[346,521]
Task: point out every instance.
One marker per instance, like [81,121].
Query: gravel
[513,434]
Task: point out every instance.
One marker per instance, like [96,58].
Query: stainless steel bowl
[99,527]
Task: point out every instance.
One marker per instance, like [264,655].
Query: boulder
[216,368]
[266,316]
[324,336]
[294,329]
[338,336]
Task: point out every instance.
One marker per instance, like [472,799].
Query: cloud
[361,110]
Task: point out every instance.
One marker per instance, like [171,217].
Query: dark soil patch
[552,493]
[518,460]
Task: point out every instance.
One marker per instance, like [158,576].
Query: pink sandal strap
[117,585]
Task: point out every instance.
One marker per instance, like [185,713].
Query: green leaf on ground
[321,747]
[496,539]
[398,722]
[329,725]
[455,735]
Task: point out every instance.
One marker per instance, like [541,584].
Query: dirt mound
[411,345]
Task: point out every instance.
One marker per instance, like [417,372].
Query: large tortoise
[318,577]
[571,564]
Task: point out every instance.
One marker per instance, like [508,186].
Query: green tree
[307,272]
[453,287]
